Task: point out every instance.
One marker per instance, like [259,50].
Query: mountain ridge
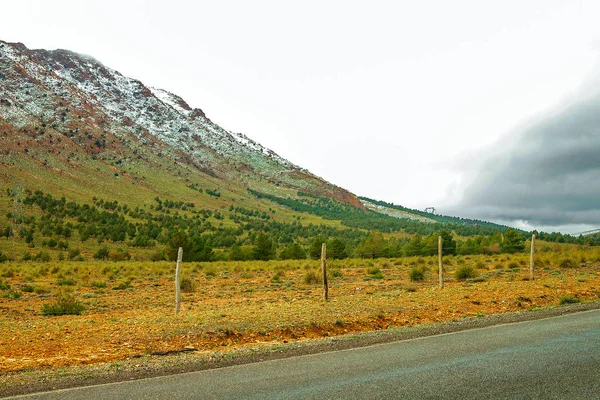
[107,106]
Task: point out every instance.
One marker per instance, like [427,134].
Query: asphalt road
[554,358]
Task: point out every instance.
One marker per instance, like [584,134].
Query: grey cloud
[547,174]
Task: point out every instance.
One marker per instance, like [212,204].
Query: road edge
[20,383]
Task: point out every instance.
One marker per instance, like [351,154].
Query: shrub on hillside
[157,256]
[187,284]
[464,272]
[568,263]
[118,255]
[74,253]
[65,303]
[311,278]
[417,273]
[42,256]
[102,253]
[569,300]
[374,273]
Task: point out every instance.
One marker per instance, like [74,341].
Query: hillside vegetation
[42,227]
[71,313]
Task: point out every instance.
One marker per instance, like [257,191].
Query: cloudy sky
[486,109]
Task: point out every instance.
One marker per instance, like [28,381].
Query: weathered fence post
[178,281]
[324,270]
[441,271]
[531,262]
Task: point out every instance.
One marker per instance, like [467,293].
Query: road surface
[554,358]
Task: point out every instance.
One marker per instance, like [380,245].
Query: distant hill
[403,212]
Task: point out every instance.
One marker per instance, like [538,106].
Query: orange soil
[228,311]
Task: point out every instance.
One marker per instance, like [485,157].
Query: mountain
[96,164]
[89,128]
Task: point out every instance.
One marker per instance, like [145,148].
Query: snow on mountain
[74,92]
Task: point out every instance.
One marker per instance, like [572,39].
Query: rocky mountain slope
[96,164]
[69,121]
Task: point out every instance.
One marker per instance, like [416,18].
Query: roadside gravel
[31,381]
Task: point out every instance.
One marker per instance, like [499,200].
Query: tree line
[250,235]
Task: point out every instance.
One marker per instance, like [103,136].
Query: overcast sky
[473,107]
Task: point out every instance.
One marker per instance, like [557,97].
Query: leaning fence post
[324,270]
[178,281]
[441,271]
[531,262]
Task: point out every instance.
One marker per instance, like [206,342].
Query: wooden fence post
[324,269]
[178,281]
[531,262]
[441,271]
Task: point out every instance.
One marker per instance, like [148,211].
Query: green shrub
[65,282]
[102,253]
[210,271]
[9,273]
[311,278]
[12,294]
[411,288]
[277,277]
[118,255]
[99,285]
[569,300]
[4,285]
[336,272]
[514,266]
[123,285]
[41,290]
[73,253]
[477,279]
[64,304]
[417,273]
[374,273]
[187,284]
[568,263]
[465,272]
[157,256]
[28,289]
[42,256]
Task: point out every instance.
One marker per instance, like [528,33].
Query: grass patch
[65,303]
[187,284]
[65,282]
[123,285]
[311,278]
[12,294]
[569,299]
[28,289]
[374,273]
[464,272]
[417,273]
[477,279]
[568,263]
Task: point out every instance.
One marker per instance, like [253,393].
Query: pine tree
[263,247]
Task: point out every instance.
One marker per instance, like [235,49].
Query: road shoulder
[32,381]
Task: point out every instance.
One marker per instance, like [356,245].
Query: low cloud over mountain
[547,175]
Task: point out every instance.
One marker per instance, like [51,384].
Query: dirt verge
[38,380]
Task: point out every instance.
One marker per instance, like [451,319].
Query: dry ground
[242,305]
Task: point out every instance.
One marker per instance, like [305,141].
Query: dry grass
[236,304]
